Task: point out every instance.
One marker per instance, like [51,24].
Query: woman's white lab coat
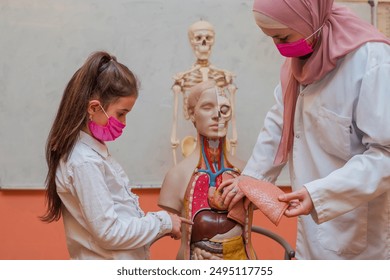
[341,154]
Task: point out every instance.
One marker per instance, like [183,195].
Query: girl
[85,185]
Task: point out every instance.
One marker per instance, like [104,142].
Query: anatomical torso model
[191,188]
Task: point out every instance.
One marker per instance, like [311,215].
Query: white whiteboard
[43,42]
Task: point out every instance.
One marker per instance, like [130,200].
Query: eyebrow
[280,36]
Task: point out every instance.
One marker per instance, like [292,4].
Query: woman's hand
[299,203]
[231,193]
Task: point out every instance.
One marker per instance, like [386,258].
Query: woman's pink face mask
[298,48]
[295,49]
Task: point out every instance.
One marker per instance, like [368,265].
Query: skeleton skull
[201,35]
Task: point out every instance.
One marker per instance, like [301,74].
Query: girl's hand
[176,225]
[300,203]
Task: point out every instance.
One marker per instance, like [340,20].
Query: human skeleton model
[201,36]
[191,188]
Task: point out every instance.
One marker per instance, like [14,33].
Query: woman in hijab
[330,124]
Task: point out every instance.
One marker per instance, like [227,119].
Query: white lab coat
[102,217]
[341,154]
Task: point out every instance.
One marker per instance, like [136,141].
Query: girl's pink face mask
[109,132]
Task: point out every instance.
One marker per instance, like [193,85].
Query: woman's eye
[284,39]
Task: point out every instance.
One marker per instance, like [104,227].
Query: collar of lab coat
[94,144]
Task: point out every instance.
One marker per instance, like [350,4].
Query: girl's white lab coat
[102,217]
[341,154]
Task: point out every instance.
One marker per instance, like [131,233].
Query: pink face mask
[295,49]
[298,48]
[109,132]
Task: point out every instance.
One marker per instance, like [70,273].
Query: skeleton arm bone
[174,140]
[233,141]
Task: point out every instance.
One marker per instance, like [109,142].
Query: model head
[209,109]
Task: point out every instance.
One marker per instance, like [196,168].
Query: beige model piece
[201,35]
[191,188]
[383,17]
[380,13]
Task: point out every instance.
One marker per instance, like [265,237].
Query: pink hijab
[342,33]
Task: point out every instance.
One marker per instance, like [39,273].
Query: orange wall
[23,236]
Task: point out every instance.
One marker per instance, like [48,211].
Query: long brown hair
[101,77]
